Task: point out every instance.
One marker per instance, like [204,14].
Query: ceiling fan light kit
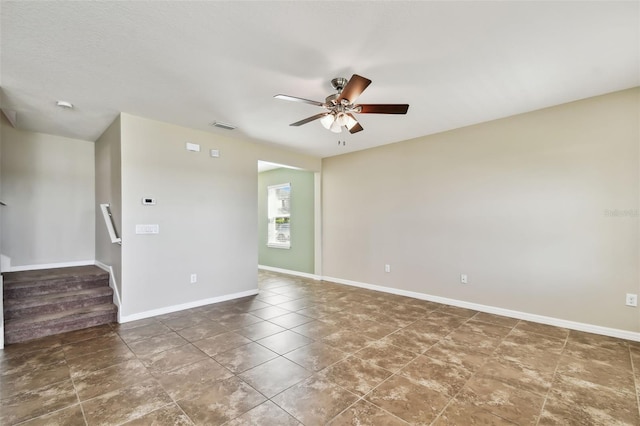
[341,106]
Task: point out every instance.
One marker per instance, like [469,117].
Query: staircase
[51,301]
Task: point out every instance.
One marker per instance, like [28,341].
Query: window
[279,215]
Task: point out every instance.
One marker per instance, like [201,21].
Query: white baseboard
[51,265]
[572,325]
[290,272]
[5,263]
[183,306]
[112,283]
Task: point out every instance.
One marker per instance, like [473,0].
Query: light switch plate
[148,229]
[193,147]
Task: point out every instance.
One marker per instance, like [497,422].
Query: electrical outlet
[464,279]
[632,299]
[387,268]
[194,278]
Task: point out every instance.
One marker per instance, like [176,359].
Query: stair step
[56,302]
[24,329]
[49,281]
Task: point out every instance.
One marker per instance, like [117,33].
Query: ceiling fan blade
[296,99]
[355,127]
[309,119]
[383,108]
[354,88]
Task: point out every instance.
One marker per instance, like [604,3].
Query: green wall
[300,257]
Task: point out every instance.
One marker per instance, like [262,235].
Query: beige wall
[108,190]
[48,185]
[518,204]
[206,209]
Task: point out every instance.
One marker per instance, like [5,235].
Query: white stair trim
[51,265]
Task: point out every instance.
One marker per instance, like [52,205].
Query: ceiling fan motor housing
[338,83]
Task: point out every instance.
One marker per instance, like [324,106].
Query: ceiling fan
[341,106]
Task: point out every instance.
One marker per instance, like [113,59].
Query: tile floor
[313,353]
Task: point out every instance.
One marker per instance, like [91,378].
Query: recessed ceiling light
[64,104]
[222,125]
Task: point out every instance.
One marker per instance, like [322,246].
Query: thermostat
[149,201]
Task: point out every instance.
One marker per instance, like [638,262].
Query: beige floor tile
[442,377]
[314,401]
[264,414]
[347,340]
[458,413]
[386,355]
[37,402]
[547,330]
[192,380]
[269,312]
[237,320]
[144,332]
[70,416]
[170,415]
[479,341]
[156,344]
[487,329]
[125,404]
[284,342]
[495,319]
[519,375]
[28,361]
[375,358]
[225,400]
[245,357]
[202,330]
[274,376]
[413,403]
[365,413]
[412,340]
[598,372]
[316,356]
[290,320]
[11,384]
[457,353]
[221,343]
[260,330]
[185,321]
[109,379]
[596,400]
[316,329]
[171,359]
[86,347]
[85,334]
[503,400]
[355,375]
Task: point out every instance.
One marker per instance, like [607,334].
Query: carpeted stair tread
[56,302]
[28,284]
[58,297]
[76,273]
[45,302]
[59,317]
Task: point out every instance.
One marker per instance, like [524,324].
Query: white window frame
[278,208]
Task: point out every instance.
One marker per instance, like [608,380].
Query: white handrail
[108,220]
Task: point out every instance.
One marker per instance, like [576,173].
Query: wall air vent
[223,125]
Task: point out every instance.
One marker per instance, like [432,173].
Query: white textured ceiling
[190,63]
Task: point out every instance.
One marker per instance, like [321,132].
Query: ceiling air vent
[223,125]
